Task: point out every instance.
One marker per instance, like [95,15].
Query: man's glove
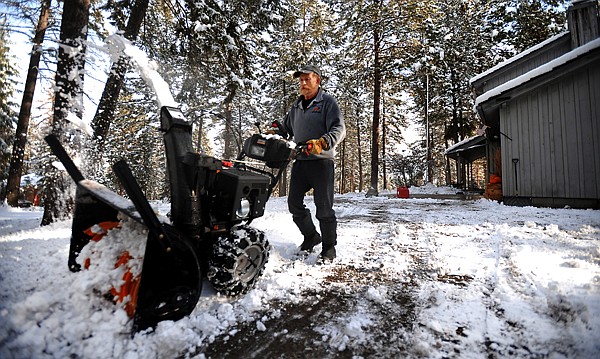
[315,147]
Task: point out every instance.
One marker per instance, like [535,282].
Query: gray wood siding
[555,132]
[594,86]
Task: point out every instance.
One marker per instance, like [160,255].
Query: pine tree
[7,114]
[302,36]
[67,101]
[220,38]
[521,24]
[134,137]
[21,136]
[374,35]
[108,101]
[451,44]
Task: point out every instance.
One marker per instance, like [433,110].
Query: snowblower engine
[212,205]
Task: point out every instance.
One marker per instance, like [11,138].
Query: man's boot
[310,241]
[328,230]
[328,253]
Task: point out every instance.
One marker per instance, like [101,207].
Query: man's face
[309,85]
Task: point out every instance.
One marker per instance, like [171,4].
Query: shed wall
[554,133]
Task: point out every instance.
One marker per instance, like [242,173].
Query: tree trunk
[342,187]
[343,169]
[448,170]
[71,59]
[358,145]
[428,133]
[16,163]
[229,133]
[373,191]
[383,128]
[112,89]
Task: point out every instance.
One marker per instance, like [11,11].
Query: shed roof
[517,57]
[470,149]
[487,104]
[538,71]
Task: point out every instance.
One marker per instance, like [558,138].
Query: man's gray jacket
[322,118]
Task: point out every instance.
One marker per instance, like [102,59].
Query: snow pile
[429,188]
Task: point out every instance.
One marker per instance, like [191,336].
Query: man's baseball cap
[307,69]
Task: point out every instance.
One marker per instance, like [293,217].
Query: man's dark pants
[319,176]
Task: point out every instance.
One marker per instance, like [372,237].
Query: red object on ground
[402,192]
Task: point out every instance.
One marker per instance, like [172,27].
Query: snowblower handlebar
[134,191]
[278,128]
[302,148]
[62,155]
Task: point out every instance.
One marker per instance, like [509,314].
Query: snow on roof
[475,138]
[538,71]
[517,57]
[31,179]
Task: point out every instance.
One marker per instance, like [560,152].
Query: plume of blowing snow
[117,45]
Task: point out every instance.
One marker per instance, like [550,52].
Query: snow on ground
[429,188]
[421,277]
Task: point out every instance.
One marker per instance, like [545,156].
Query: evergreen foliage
[8,116]
[389,63]
[521,24]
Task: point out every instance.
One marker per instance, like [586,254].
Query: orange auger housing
[99,230]
[129,288]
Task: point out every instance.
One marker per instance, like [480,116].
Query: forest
[390,64]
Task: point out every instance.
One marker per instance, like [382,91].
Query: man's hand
[315,147]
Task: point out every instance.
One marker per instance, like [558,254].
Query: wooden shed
[465,153]
[542,112]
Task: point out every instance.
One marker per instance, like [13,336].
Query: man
[315,119]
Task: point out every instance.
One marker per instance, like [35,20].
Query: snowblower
[212,205]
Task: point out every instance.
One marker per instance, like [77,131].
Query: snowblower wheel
[238,260]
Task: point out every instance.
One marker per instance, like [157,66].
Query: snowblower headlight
[244,209]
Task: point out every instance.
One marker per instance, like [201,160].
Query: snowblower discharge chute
[212,205]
